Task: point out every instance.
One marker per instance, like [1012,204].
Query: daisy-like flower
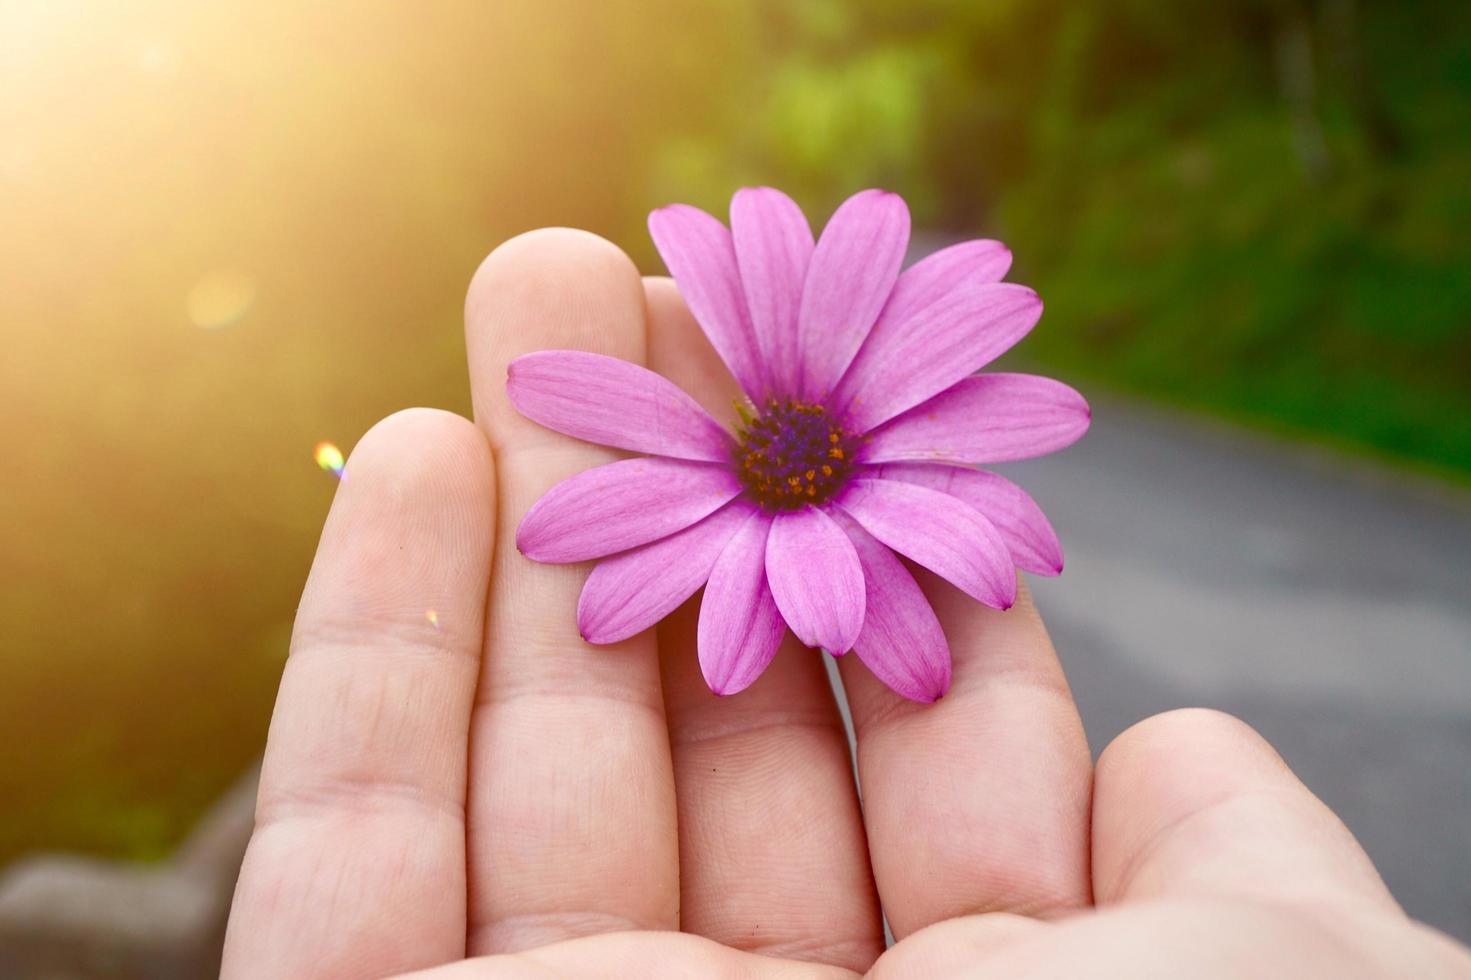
[864,423]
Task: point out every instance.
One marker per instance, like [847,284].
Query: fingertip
[549,289]
[664,294]
[679,350]
[673,332]
[1205,735]
[412,527]
[546,256]
[1195,803]
[423,449]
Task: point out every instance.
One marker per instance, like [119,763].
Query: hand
[480,783]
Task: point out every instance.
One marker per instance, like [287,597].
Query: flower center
[793,453]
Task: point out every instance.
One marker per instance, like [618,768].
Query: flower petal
[1026,530]
[773,246]
[990,418]
[700,255]
[740,627]
[621,505]
[906,362]
[613,403]
[980,260]
[816,579]
[901,642]
[628,593]
[949,537]
[853,270]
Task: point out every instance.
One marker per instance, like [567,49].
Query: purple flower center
[793,453]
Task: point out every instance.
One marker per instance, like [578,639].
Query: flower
[865,421]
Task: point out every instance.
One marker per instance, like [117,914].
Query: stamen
[792,454]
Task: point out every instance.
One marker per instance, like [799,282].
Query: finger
[633,954]
[772,853]
[357,863]
[572,826]
[1195,803]
[978,802]
[1199,939]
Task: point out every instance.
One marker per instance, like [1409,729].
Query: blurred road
[1328,603]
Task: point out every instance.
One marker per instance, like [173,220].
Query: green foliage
[1187,254]
[1205,225]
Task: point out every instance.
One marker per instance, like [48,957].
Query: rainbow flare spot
[329,458]
[433,617]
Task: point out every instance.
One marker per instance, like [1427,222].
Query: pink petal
[945,535]
[773,245]
[980,260]
[906,362]
[1026,530]
[853,270]
[621,505]
[628,593]
[740,627]
[990,418]
[901,642]
[613,403]
[701,256]
[816,579]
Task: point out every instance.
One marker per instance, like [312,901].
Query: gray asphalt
[1326,602]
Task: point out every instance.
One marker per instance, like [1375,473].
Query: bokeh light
[220,299]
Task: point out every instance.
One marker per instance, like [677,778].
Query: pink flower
[866,418]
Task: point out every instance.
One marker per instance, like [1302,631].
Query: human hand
[481,783]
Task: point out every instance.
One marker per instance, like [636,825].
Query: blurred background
[232,231]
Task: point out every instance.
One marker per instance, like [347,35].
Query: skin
[492,797]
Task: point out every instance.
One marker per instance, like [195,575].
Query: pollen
[792,453]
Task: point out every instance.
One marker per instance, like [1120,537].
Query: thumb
[1196,804]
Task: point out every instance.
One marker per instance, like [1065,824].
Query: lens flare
[220,299]
[433,617]
[329,458]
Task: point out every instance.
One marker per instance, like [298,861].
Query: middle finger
[772,852]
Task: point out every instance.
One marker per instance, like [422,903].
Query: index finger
[571,810]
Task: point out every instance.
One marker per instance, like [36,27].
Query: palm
[480,781]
